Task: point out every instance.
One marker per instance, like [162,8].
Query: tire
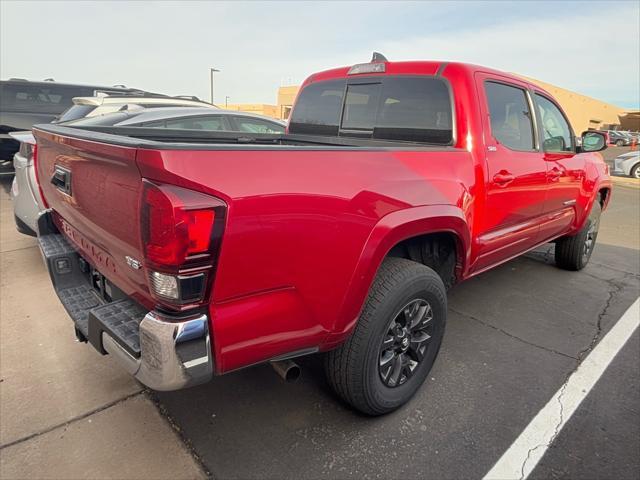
[573,253]
[635,171]
[619,143]
[355,370]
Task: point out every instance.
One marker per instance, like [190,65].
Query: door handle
[503,178]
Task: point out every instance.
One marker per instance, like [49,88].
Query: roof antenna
[378,57]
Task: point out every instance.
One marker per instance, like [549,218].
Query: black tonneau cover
[179,139]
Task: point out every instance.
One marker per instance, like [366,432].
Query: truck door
[565,169]
[516,173]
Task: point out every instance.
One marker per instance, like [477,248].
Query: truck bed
[294,206]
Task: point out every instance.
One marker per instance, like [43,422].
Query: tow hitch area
[163,352]
[94,304]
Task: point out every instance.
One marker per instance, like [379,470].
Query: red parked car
[189,254]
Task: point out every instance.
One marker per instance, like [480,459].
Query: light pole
[226,101]
[211,71]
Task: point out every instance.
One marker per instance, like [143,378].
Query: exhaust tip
[287,370]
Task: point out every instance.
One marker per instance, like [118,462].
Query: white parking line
[525,453]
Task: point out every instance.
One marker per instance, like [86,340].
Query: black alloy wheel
[406,342]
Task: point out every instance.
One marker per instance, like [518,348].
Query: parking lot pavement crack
[515,337]
[581,356]
[72,420]
[523,468]
[627,274]
[617,288]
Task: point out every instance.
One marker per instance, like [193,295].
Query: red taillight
[181,233]
[177,224]
[34,156]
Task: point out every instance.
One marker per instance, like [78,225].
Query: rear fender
[387,233]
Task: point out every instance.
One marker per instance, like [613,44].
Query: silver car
[627,164]
[25,192]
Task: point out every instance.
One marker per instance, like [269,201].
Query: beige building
[585,113]
[259,108]
[285,98]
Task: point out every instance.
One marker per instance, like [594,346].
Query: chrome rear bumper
[173,354]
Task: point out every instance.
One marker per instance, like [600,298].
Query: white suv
[99,105]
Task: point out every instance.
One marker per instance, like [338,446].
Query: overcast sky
[590,47]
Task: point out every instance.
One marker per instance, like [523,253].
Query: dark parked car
[620,139]
[24,103]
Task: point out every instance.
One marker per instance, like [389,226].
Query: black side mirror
[593,141]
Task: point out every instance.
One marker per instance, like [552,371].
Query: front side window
[556,132]
[402,108]
[510,116]
[190,123]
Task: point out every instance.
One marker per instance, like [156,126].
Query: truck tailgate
[93,189]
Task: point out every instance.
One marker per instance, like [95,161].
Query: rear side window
[164,105]
[511,122]
[190,123]
[255,125]
[415,109]
[101,120]
[75,112]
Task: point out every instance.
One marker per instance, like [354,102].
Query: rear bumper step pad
[162,351]
[91,314]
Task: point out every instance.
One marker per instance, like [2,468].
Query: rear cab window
[396,108]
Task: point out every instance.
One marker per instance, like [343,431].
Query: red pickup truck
[188,254]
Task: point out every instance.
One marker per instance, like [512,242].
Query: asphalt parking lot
[514,335]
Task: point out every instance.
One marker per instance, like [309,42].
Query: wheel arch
[390,231]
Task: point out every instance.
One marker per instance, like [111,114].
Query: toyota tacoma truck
[190,254]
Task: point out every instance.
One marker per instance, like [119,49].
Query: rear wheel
[635,171]
[573,253]
[619,143]
[395,341]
